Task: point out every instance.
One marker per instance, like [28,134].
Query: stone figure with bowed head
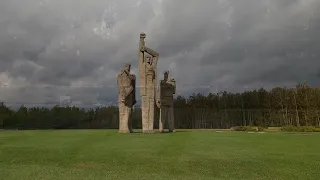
[148,60]
[165,92]
[126,89]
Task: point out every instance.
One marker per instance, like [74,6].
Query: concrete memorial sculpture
[165,92]
[126,89]
[148,60]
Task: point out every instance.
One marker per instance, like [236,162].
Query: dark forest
[299,106]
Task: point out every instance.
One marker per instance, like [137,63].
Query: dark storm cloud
[50,49]
[264,44]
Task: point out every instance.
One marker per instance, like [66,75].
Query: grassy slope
[104,154]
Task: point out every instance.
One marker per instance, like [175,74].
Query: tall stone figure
[148,60]
[165,92]
[126,88]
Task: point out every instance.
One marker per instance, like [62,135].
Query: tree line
[299,106]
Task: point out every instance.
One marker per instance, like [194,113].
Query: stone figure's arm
[141,52]
[128,91]
[141,61]
[174,85]
[131,89]
[151,51]
[158,98]
[142,45]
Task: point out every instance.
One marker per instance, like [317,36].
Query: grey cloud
[50,49]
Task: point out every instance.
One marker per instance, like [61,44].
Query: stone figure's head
[148,59]
[142,35]
[127,67]
[166,75]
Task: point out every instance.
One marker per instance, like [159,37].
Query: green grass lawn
[189,155]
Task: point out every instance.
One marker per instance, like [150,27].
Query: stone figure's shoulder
[133,76]
[171,81]
[122,73]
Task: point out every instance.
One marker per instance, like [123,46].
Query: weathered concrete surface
[148,60]
[165,93]
[126,89]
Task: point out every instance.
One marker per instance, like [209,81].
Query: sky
[57,51]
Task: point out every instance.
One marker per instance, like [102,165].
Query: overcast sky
[55,48]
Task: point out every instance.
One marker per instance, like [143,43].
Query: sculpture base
[170,131]
[148,131]
[124,131]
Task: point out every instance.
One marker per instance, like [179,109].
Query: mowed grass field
[188,155]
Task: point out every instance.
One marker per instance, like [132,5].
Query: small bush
[247,128]
[260,128]
[289,128]
[300,128]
